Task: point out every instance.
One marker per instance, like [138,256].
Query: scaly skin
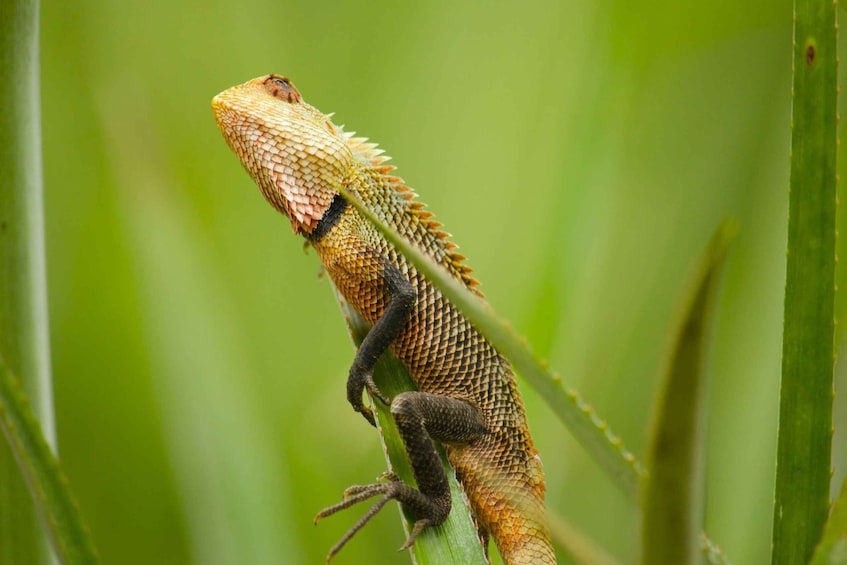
[296,156]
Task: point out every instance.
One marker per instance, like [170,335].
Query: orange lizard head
[289,148]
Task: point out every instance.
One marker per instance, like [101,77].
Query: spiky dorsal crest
[371,156]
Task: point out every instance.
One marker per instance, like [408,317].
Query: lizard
[466,398]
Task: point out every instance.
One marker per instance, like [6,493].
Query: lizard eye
[280,87]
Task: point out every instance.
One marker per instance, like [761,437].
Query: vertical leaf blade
[801,498]
[23,296]
[673,494]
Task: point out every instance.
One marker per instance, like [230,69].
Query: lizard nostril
[280,87]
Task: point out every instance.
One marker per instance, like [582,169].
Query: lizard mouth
[232,105]
[223,109]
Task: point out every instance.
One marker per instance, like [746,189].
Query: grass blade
[673,493]
[23,294]
[801,498]
[456,540]
[59,511]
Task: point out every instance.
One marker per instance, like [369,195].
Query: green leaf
[833,547]
[23,294]
[48,485]
[673,492]
[801,498]
[456,540]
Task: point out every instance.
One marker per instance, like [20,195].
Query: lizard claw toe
[419,526]
[369,415]
[388,476]
[374,391]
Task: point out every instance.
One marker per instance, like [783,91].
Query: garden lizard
[467,398]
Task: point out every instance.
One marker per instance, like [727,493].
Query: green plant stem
[23,296]
[801,500]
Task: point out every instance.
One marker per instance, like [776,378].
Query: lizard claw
[353,495]
[388,476]
[368,414]
[374,391]
[354,396]
[419,526]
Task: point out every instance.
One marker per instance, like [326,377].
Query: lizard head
[291,150]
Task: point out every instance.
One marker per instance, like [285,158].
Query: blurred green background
[580,152]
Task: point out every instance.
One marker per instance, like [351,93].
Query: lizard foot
[394,490]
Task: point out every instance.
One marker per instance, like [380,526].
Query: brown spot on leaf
[810,54]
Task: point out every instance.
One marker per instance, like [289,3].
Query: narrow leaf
[673,493]
[23,294]
[801,500]
[48,485]
[456,541]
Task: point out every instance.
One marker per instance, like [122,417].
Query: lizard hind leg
[420,417]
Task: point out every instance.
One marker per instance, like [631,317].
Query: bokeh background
[580,152]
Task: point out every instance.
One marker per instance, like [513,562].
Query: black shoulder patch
[330,218]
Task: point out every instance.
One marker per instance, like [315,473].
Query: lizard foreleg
[401,303]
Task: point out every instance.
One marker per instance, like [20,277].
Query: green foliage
[60,514]
[801,501]
[673,492]
[23,295]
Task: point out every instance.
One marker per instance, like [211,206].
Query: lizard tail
[508,504]
[522,537]
[528,549]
